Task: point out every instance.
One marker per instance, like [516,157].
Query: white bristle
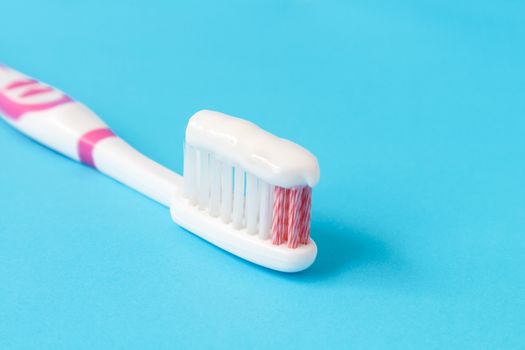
[204,179]
[238,198]
[226,191]
[229,192]
[252,203]
[265,212]
[190,173]
[215,186]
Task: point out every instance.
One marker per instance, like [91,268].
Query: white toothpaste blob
[275,160]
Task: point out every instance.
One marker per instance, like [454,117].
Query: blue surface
[415,109]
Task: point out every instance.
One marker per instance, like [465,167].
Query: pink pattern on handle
[87,144]
[37,91]
[20,83]
[15,102]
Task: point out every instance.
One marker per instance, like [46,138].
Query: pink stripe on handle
[37,91]
[21,83]
[87,144]
[15,110]
[14,103]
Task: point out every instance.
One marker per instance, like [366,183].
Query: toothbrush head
[247,191]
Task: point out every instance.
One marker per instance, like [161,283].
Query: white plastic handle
[55,120]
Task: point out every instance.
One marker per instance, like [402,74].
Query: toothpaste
[275,160]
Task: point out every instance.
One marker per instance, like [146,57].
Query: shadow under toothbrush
[344,250]
[345,255]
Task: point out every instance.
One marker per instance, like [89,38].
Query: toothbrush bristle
[248,202]
[294,216]
[305,215]
[291,216]
[279,208]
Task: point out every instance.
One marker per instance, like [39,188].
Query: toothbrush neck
[117,159]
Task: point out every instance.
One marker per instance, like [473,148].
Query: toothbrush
[243,189]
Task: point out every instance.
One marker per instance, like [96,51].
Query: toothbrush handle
[52,118]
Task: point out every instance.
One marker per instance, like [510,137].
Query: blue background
[415,109]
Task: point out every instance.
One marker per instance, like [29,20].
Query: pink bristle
[291,216]
[278,215]
[306,204]
[294,216]
[285,214]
